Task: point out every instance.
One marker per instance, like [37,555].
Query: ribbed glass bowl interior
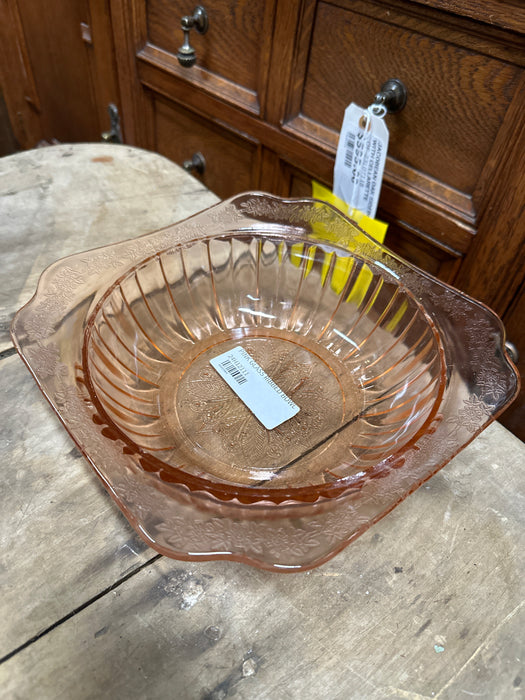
[343,339]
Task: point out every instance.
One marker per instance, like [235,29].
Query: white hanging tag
[361,157]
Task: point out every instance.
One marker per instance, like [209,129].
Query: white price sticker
[360,159]
[253,386]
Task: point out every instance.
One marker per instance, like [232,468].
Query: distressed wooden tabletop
[427,604]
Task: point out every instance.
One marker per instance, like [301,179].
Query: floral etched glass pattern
[393,373]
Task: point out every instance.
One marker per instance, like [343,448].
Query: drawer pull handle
[392,98]
[196,164]
[114,135]
[198,20]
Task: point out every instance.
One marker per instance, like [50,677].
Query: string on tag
[377,109]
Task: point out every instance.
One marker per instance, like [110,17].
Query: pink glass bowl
[393,373]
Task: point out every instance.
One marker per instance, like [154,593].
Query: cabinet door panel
[230,160]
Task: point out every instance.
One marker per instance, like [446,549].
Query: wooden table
[427,604]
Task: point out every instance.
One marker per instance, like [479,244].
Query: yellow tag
[343,266]
[374,227]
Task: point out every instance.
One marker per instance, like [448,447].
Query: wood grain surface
[429,603]
[64,199]
[230,160]
[235,45]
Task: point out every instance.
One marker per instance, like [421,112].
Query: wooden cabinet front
[270,86]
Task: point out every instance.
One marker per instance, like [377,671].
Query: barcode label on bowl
[254,387]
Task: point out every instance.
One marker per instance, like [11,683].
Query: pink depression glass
[393,371]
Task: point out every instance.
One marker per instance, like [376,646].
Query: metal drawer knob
[114,135]
[392,97]
[197,164]
[198,20]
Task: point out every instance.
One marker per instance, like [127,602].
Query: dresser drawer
[231,56]
[230,160]
[460,88]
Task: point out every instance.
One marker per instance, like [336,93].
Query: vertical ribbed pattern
[372,327]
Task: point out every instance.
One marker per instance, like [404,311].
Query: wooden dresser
[265,100]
